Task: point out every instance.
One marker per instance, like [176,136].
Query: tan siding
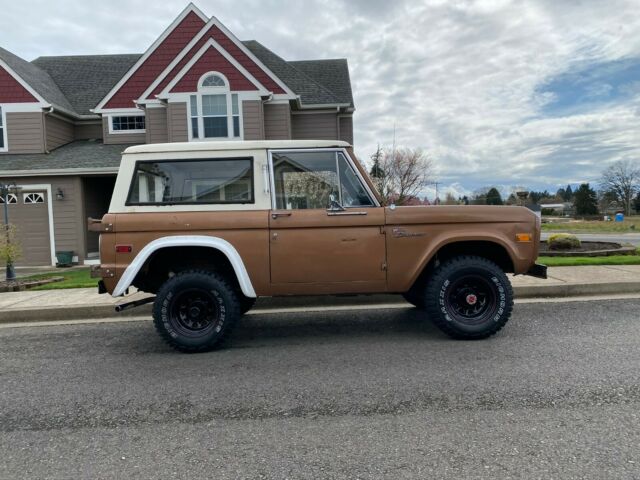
[252,120]
[277,122]
[25,132]
[156,125]
[317,126]
[118,138]
[85,131]
[177,122]
[346,129]
[59,132]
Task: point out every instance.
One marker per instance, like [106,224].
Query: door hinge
[384,266]
[382,230]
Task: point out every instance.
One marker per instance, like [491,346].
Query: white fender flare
[187,241]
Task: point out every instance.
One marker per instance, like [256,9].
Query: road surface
[337,394]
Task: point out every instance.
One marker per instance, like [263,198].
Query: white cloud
[460,79]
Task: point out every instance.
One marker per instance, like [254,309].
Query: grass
[75,278]
[579,261]
[631,224]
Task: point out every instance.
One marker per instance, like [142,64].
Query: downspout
[44,128]
[263,126]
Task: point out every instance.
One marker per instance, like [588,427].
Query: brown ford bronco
[209,227]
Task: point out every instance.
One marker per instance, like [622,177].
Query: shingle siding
[253,120]
[156,123]
[314,126]
[277,122]
[120,138]
[177,122]
[59,132]
[25,132]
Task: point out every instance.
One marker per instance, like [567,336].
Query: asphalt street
[339,394]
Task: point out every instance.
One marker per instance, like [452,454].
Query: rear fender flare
[216,243]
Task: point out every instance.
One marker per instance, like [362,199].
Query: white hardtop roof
[234,145]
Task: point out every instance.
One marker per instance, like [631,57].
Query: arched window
[214,110]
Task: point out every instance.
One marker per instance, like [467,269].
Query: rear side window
[207,181]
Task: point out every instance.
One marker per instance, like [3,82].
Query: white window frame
[226,90]
[3,129]
[125,132]
[34,198]
[12,199]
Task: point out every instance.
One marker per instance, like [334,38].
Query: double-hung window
[3,132]
[214,110]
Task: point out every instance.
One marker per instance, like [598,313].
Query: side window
[192,182]
[308,180]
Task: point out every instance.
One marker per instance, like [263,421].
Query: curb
[270,303]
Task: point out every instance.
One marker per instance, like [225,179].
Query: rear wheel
[469,297]
[194,311]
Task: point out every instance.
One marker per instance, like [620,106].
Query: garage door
[28,211]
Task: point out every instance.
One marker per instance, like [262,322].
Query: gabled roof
[332,74]
[37,79]
[86,79]
[311,91]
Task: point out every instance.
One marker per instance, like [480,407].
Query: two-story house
[65,120]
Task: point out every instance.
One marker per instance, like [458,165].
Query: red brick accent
[226,43]
[153,66]
[213,60]
[11,91]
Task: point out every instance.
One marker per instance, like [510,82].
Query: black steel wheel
[469,297]
[194,311]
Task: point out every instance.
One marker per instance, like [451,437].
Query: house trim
[58,172]
[5,137]
[40,101]
[110,116]
[209,44]
[189,9]
[206,29]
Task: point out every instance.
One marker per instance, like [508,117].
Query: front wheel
[194,311]
[469,297]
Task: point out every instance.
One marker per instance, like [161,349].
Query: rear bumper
[537,270]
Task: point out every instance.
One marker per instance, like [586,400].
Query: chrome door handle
[275,215]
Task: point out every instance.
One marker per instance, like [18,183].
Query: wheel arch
[215,244]
[491,248]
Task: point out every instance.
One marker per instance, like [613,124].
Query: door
[326,229]
[28,211]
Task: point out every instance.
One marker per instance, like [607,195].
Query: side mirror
[334,205]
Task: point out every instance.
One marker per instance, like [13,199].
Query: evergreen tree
[376,170]
[494,197]
[568,194]
[586,200]
[636,203]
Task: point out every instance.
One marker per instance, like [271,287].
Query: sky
[532,93]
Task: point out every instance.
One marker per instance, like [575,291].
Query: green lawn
[578,261]
[631,224]
[76,278]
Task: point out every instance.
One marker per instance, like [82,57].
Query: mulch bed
[588,249]
[20,285]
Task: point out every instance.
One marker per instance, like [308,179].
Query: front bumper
[538,271]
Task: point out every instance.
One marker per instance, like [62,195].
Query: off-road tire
[195,311]
[464,279]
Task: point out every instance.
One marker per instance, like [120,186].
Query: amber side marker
[523,237]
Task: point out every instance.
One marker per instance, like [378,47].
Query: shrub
[563,241]
[547,211]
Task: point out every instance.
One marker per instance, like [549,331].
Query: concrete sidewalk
[87,303]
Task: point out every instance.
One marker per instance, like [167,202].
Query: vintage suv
[209,227]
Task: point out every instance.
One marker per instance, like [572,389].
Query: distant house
[65,120]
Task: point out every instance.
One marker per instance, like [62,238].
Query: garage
[29,212]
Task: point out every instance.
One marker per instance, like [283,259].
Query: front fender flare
[187,241]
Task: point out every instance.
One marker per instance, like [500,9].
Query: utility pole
[4,193]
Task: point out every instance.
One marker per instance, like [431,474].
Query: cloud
[471,82]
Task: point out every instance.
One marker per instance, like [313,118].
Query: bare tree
[622,179]
[403,174]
